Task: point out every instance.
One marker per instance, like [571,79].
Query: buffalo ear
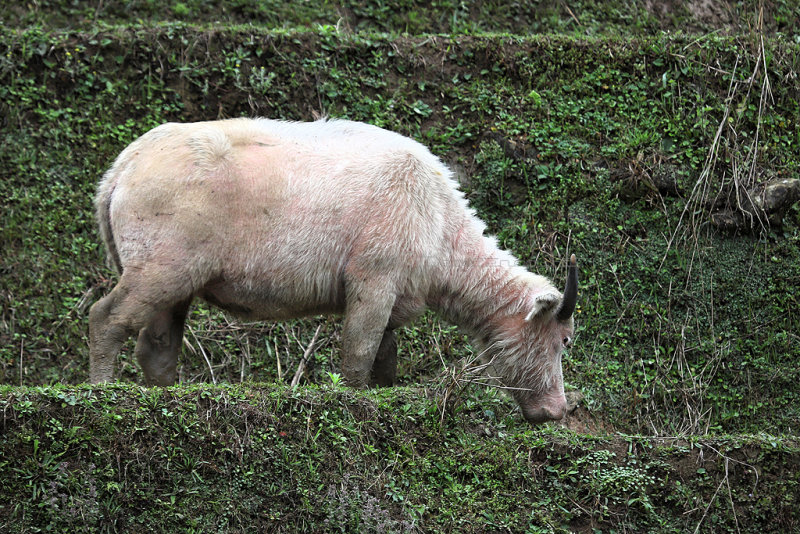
[543,303]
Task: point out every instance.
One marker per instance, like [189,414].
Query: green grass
[670,339]
[560,125]
[582,17]
[265,458]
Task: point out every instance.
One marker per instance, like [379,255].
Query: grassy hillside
[272,459]
[558,141]
[630,135]
[585,17]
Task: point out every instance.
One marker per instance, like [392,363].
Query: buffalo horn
[567,307]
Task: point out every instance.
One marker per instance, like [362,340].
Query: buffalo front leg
[384,369]
[159,345]
[366,316]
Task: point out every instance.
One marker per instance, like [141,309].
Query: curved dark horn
[567,307]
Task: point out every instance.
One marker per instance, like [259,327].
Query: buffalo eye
[567,341]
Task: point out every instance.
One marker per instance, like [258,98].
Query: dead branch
[301,367]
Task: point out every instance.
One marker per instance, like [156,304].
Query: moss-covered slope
[561,143]
[414,17]
[270,459]
[585,129]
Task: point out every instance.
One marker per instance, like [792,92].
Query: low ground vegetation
[603,132]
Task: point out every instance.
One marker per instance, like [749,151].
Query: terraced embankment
[586,130]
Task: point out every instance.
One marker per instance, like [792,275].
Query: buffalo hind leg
[105,337]
[384,370]
[159,345]
[137,298]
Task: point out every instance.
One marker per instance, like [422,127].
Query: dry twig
[301,367]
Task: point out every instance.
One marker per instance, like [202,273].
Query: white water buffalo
[276,220]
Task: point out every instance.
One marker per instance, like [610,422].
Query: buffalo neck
[478,283]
